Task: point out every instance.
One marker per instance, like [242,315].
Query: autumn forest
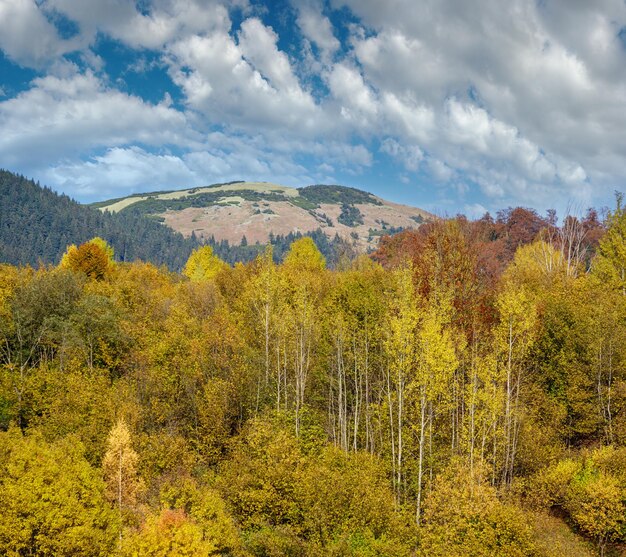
[459,392]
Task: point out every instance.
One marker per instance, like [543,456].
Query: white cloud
[486,141]
[409,155]
[163,21]
[411,120]
[120,171]
[257,44]
[63,116]
[358,105]
[247,85]
[27,36]
[547,82]
[439,170]
[317,28]
[474,210]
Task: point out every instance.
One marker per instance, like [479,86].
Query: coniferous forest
[461,392]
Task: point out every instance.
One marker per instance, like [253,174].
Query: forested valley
[461,392]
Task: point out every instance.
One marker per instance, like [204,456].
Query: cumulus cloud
[257,44]
[27,36]
[357,103]
[119,171]
[219,158]
[317,28]
[409,155]
[551,73]
[248,84]
[62,116]
[161,22]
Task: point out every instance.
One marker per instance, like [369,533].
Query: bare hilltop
[257,210]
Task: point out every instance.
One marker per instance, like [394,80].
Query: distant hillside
[37,225]
[260,210]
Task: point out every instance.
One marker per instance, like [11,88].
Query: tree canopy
[436,398]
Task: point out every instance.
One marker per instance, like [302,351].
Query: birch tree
[119,465]
[303,272]
[436,364]
[401,353]
[513,339]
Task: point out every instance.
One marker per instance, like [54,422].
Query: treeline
[451,401]
[334,250]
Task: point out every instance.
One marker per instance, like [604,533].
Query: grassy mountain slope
[258,210]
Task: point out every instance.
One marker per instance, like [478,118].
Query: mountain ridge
[256,210]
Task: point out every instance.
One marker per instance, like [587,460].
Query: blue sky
[448,105]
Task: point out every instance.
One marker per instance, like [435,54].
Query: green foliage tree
[48,222]
[37,332]
[97,325]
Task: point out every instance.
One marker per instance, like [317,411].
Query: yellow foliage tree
[94,258]
[610,262]
[437,364]
[463,517]
[596,504]
[304,255]
[120,470]
[401,351]
[303,279]
[52,500]
[203,265]
[171,532]
[514,337]
[202,508]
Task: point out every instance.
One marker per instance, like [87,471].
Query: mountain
[260,210]
[37,225]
